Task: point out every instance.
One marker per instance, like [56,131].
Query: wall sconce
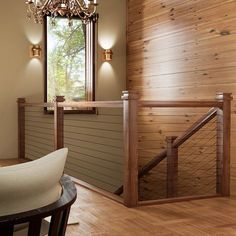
[107,55]
[35,51]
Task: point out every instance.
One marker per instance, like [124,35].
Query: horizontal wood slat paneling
[180,50]
[95,144]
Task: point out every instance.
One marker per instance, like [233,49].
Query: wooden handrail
[150,165]
[111,104]
[180,140]
[92,104]
[199,103]
[119,104]
[130,108]
[195,127]
[46,104]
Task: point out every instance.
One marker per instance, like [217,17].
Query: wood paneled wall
[95,144]
[182,49]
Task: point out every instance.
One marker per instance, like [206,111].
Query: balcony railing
[130,103]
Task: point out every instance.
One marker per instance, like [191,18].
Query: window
[69,61]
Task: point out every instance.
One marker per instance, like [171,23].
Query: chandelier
[84,9]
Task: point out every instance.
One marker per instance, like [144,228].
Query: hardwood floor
[9,162]
[103,217]
[99,216]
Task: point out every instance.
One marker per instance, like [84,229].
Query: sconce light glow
[34,67]
[34,39]
[106,70]
[33,33]
[107,42]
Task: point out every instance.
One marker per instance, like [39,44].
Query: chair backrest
[31,185]
[59,212]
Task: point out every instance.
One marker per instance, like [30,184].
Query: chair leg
[54,224]
[6,230]
[34,227]
[64,220]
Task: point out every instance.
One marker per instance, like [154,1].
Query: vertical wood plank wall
[182,49]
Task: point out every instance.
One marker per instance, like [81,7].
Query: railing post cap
[223,96]
[130,95]
[21,100]
[60,98]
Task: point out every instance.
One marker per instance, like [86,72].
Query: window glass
[69,60]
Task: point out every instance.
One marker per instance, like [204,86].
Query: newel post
[21,128]
[130,110]
[58,123]
[172,167]
[223,144]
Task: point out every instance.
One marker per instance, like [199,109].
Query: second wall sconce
[35,51]
[107,55]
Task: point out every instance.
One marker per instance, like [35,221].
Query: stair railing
[220,107]
[130,104]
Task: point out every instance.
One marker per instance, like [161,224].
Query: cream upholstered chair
[31,185]
[33,223]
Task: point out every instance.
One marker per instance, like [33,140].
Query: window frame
[90,72]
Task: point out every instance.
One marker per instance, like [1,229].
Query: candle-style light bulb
[85,9]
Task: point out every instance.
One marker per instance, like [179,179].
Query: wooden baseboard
[142,203]
[98,190]
[174,200]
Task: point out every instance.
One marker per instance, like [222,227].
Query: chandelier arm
[81,6]
[61,7]
[44,7]
[30,8]
[46,3]
[83,18]
[88,14]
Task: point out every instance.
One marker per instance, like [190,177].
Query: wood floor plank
[99,216]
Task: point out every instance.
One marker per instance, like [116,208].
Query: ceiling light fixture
[84,9]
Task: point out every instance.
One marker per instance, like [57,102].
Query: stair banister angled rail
[178,141]
[221,109]
[222,100]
